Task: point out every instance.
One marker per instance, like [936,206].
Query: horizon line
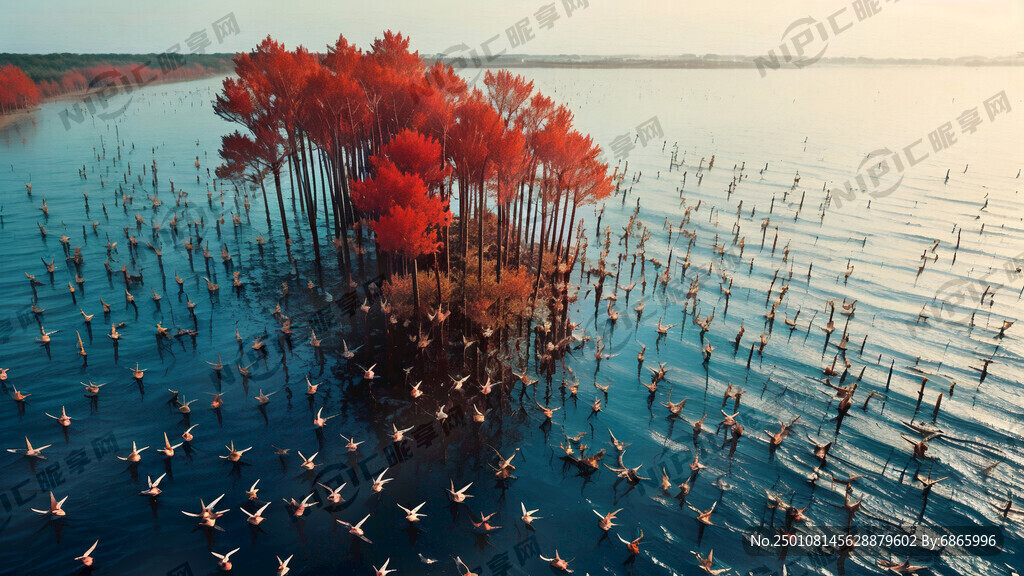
[566,56]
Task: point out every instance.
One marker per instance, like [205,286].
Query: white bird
[207,515]
[307,463]
[352,445]
[64,419]
[135,455]
[378,484]
[253,491]
[399,435]
[460,495]
[282,567]
[29,451]
[168,449]
[87,558]
[264,398]
[234,455]
[528,516]
[383,570]
[320,421]
[357,529]
[299,508]
[413,515]
[557,562]
[55,507]
[368,372]
[154,487]
[256,518]
[458,382]
[224,560]
[460,565]
[346,353]
[334,495]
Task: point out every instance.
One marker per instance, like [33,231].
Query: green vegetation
[52,67]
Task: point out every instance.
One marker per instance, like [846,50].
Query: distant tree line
[53,67]
[25,79]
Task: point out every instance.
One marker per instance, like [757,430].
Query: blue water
[818,122]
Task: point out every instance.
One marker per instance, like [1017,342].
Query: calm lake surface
[820,123]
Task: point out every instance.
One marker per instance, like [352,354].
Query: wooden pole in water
[866,400]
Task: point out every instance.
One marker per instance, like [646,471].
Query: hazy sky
[907,28]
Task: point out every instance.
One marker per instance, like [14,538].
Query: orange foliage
[399,291]
[489,304]
[495,305]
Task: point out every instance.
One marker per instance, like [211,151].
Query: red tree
[249,100]
[16,89]
[418,154]
[408,217]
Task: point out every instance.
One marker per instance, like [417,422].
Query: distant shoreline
[686,62]
[709,61]
[11,118]
[29,62]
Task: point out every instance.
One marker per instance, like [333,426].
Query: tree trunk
[437,276]
[561,231]
[280,203]
[303,177]
[266,205]
[416,287]
[323,189]
[568,239]
[480,233]
[291,179]
[499,239]
[540,260]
